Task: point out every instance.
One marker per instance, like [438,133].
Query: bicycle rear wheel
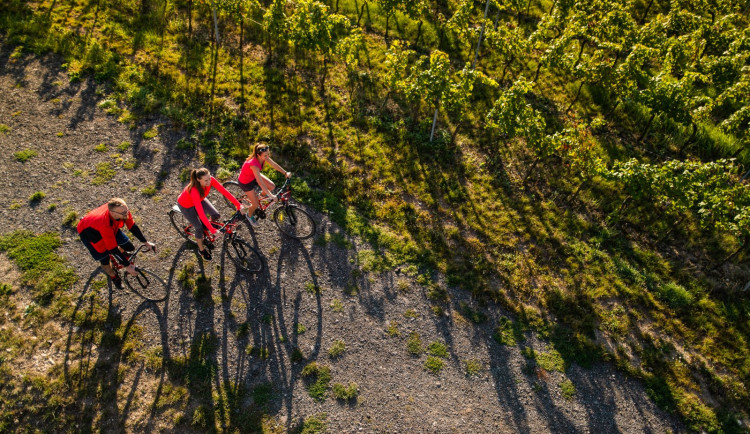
[182,225]
[226,206]
[244,256]
[147,285]
[295,222]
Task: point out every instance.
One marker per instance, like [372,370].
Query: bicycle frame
[283,195]
[228,227]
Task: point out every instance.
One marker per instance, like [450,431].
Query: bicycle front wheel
[182,225]
[295,222]
[244,256]
[147,285]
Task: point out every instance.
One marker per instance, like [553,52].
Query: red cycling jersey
[246,173]
[193,198]
[101,221]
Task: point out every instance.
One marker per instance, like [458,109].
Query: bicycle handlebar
[285,186]
[140,249]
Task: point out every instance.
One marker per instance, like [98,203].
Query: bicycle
[152,287]
[291,220]
[244,256]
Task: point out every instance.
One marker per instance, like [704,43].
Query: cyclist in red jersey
[194,205]
[251,177]
[100,231]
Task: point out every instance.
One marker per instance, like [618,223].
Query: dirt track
[397,394]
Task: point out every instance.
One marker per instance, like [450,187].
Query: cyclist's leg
[191,215]
[210,209]
[123,242]
[102,258]
[107,267]
[249,190]
[267,182]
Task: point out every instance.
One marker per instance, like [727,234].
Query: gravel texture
[63,122]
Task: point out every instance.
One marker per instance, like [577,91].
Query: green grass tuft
[37,196]
[414,344]
[318,380]
[103,174]
[24,155]
[337,349]
[568,389]
[434,364]
[345,393]
[438,349]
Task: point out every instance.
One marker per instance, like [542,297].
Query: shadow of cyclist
[100,349]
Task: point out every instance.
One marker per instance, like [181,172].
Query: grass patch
[392,329]
[297,355]
[262,395]
[472,367]
[24,155]
[314,425]
[337,238]
[568,389]
[101,147]
[43,270]
[37,196]
[151,133]
[336,305]
[345,393]
[438,349]
[337,349]
[318,379]
[149,191]
[508,332]
[411,313]
[434,364]
[262,352]
[475,316]
[103,174]
[4,129]
[70,219]
[414,344]
[550,360]
[202,287]
[243,330]
[312,288]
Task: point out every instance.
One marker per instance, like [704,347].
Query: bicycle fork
[141,278]
[239,248]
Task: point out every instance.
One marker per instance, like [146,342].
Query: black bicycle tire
[257,262]
[152,276]
[301,213]
[233,187]
[172,217]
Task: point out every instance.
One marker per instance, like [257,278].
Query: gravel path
[64,123]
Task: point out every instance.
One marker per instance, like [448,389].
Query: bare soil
[63,123]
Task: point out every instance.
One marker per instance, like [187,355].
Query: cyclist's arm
[261,182]
[136,230]
[276,166]
[216,184]
[199,209]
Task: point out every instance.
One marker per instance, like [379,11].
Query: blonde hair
[115,202]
